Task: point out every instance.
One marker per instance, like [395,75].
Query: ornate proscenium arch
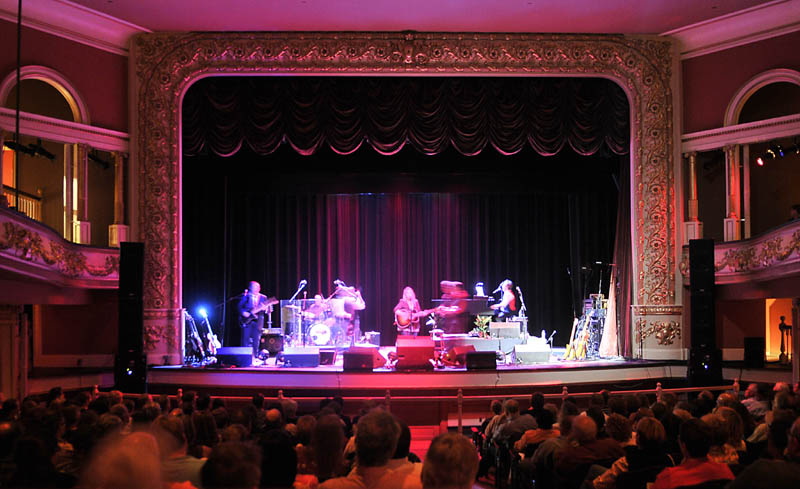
[167,63]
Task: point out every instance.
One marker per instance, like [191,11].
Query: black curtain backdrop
[312,209]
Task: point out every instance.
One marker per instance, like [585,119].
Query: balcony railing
[30,205]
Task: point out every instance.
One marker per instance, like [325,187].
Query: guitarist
[252,307]
[407,313]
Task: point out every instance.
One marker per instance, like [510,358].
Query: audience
[192,441]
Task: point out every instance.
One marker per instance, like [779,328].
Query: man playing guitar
[252,307]
[407,313]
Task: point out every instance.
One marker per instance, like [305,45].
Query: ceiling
[586,16]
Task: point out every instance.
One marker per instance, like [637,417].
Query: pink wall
[709,82]
[81,329]
[100,77]
[737,320]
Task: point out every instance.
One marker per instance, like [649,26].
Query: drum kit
[312,322]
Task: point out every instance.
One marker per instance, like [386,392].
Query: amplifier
[504,330]
[530,354]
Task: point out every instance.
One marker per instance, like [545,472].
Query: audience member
[777,471]
[376,441]
[451,463]
[696,467]
[176,464]
[233,465]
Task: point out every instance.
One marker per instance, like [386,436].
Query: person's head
[56,394]
[258,401]
[403,442]
[511,408]
[669,399]
[537,401]
[496,407]
[793,447]
[376,438]
[650,434]
[583,430]
[616,405]
[545,418]
[719,432]
[778,432]
[451,463]
[565,424]
[279,466]
[232,465]
[327,441]
[794,212]
[205,429]
[781,387]
[170,434]
[507,284]
[695,438]
[126,463]
[289,409]
[726,399]
[618,428]
[598,417]
[751,391]
[409,295]
[734,426]
[305,427]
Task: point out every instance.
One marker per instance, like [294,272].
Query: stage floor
[552,375]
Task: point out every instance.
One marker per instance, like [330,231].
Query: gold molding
[166,64]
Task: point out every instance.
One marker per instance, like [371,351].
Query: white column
[81,227]
[68,195]
[746,189]
[692,227]
[731,224]
[118,232]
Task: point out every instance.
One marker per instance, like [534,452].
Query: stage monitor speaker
[505,330]
[415,354]
[131,303]
[481,360]
[701,279]
[362,358]
[705,367]
[301,357]
[754,351]
[130,372]
[272,342]
[236,356]
[457,355]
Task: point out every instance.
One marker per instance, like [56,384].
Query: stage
[324,380]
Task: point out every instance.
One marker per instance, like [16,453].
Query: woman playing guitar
[407,313]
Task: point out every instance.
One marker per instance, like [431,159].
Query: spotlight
[760,161]
[779,150]
[771,153]
[202,312]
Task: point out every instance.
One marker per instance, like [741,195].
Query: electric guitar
[403,318]
[247,317]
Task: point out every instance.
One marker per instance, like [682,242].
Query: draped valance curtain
[221,114]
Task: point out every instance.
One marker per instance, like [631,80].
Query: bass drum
[319,334]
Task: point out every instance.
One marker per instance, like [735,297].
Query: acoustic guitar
[247,317]
[403,318]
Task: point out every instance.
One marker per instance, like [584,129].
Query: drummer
[346,303]
[318,310]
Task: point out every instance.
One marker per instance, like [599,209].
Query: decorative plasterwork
[769,256]
[166,64]
[748,133]
[32,249]
[60,131]
[665,332]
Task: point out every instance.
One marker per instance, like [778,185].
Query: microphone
[498,289]
[303,282]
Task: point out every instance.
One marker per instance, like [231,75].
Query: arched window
[775,87]
[48,83]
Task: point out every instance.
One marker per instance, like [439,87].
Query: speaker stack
[130,363]
[705,359]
